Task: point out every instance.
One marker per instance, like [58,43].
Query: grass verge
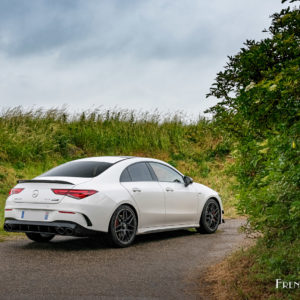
[248,274]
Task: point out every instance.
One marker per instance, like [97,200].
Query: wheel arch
[219,204]
[128,204]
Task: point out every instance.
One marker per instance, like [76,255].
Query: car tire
[210,217]
[40,237]
[123,227]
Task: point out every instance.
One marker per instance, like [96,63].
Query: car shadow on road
[98,243]
[160,236]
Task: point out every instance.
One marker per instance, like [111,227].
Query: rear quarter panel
[101,206]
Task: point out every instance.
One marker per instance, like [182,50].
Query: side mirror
[187,180]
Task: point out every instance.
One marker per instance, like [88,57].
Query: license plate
[34,215]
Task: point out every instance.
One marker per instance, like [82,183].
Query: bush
[259,92]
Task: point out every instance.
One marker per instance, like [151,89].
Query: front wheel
[210,217]
[40,237]
[123,226]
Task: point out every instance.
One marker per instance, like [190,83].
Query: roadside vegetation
[33,141]
[259,108]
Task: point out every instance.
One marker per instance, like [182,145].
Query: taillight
[15,191]
[77,194]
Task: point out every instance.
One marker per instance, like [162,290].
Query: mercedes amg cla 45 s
[120,196]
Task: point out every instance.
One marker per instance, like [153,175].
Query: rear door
[146,192]
[181,201]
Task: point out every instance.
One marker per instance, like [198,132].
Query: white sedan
[121,196]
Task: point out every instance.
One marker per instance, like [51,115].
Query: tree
[259,106]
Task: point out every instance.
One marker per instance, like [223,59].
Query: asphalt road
[164,265]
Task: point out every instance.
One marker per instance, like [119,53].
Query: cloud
[142,54]
[36,27]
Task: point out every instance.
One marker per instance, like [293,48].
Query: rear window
[86,169]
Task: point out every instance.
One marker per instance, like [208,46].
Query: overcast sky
[131,54]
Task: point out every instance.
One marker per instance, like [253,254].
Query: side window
[125,177]
[164,173]
[139,172]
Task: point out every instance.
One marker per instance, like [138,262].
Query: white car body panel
[181,203]
[149,200]
[157,209]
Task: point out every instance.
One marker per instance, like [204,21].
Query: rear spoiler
[44,181]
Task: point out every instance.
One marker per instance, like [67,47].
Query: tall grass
[32,141]
[37,135]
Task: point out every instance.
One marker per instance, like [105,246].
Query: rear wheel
[123,226]
[40,237]
[210,217]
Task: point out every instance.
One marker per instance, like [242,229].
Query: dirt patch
[232,279]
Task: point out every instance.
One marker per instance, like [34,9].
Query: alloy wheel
[125,224]
[212,215]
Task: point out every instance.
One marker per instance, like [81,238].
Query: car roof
[109,159]
[115,159]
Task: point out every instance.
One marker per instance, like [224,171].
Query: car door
[147,194]
[181,200]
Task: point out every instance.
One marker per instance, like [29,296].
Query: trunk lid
[39,189]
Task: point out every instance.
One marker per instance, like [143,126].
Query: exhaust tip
[69,231]
[60,230]
[7,227]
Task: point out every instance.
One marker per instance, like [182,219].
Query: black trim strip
[88,221]
[154,177]
[43,181]
[123,158]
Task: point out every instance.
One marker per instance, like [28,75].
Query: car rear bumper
[91,214]
[58,227]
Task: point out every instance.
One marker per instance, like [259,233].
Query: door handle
[168,189]
[136,190]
